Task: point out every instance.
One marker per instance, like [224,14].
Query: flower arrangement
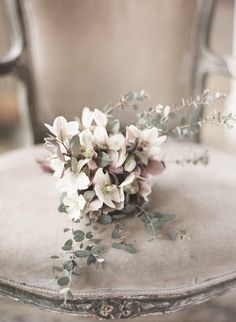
[104,172]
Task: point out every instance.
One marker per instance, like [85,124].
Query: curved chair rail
[119,304]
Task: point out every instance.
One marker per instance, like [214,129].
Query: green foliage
[103,159]
[105,219]
[63,281]
[68,245]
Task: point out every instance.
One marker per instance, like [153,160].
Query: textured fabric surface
[203,199]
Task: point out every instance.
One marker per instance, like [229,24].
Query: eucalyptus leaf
[75,145]
[62,208]
[97,249]
[55,257]
[79,238]
[103,160]
[91,259]
[57,268]
[82,253]
[68,245]
[89,235]
[63,281]
[89,195]
[118,245]
[130,248]
[142,157]
[105,219]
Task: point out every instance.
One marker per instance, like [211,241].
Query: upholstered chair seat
[164,275]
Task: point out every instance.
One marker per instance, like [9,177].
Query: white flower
[116,142]
[100,118]
[129,185]
[87,117]
[147,139]
[101,137]
[71,182]
[62,129]
[105,190]
[97,116]
[144,188]
[57,166]
[130,163]
[86,141]
[75,205]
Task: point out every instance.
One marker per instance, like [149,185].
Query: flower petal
[82,181]
[100,118]
[101,137]
[87,117]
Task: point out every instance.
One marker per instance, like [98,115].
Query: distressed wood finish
[119,304]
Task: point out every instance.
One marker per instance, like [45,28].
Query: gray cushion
[164,275]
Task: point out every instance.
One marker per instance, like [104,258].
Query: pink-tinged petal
[72,128]
[115,195]
[144,189]
[101,178]
[86,138]
[132,133]
[155,167]
[129,180]
[130,164]
[115,170]
[150,135]
[107,200]
[59,123]
[82,181]
[161,139]
[116,142]
[120,205]
[95,205]
[100,118]
[101,137]
[87,117]
[51,129]
[92,165]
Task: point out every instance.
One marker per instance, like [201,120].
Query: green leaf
[57,268]
[63,281]
[74,164]
[129,208]
[79,238]
[142,157]
[166,218]
[97,249]
[82,253]
[75,145]
[115,234]
[62,208]
[66,229]
[173,234]
[113,126]
[88,195]
[89,235]
[55,257]
[105,219]
[118,245]
[68,245]
[91,259]
[78,232]
[103,160]
[68,265]
[130,248]
[77,221]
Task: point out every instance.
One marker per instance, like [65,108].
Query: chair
[165,276]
